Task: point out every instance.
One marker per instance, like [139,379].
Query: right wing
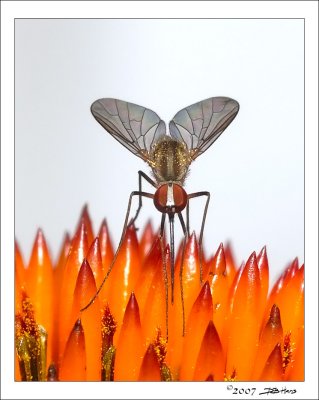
[200,124]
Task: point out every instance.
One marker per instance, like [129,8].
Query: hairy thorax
[169,160]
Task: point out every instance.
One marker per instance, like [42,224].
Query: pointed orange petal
[281,282]
[85,218]
[218,265]
[292,305]
[20,278]
[191,287]
[262,262]
[85,289]
[124,275]
[18,292]
[211,360]
[106,246]
[231,267]
[244,322]
[271,335]
[191,273]
[273,370]
[130,348]
[52,373]
[146,240]
[224,333]
[233,287]
[94,258]
[220,283]
[175,323]
[78,251]
[39,281]
[58,272]
[150,368]
[200,315]
[107,255]
[152,263]
[64,252]
[154,315]
[20,269]
[291,270]
[73,365]
[289,297]
[178,258]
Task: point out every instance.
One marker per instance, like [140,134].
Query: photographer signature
[266,390]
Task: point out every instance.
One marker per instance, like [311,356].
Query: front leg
[125,226]
[200,242]
[141,175]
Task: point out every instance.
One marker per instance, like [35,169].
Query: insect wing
[135,127]
[200,124]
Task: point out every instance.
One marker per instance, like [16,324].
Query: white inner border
[160,9]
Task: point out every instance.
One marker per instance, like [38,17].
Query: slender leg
[164,271]
[186,235]
[187,217]
[200,242]
[185,231]
[172,253]
[135,193]
[141,175]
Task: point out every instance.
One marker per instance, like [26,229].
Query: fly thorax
[170,160]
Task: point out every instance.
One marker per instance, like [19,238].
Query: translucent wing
[135,127]
[200,124]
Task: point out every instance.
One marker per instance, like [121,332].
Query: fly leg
[141,175]
[186,236]
[172,253]
[187,217]
[164,270]
[200,242]
[135,193]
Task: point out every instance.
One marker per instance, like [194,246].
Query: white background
[64,159]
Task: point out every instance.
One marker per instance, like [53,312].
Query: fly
[191,132]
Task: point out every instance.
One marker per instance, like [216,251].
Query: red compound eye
[160,198]
[179,198]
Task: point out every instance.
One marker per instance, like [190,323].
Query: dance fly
[169,154]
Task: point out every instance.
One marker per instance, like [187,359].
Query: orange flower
[231,329]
